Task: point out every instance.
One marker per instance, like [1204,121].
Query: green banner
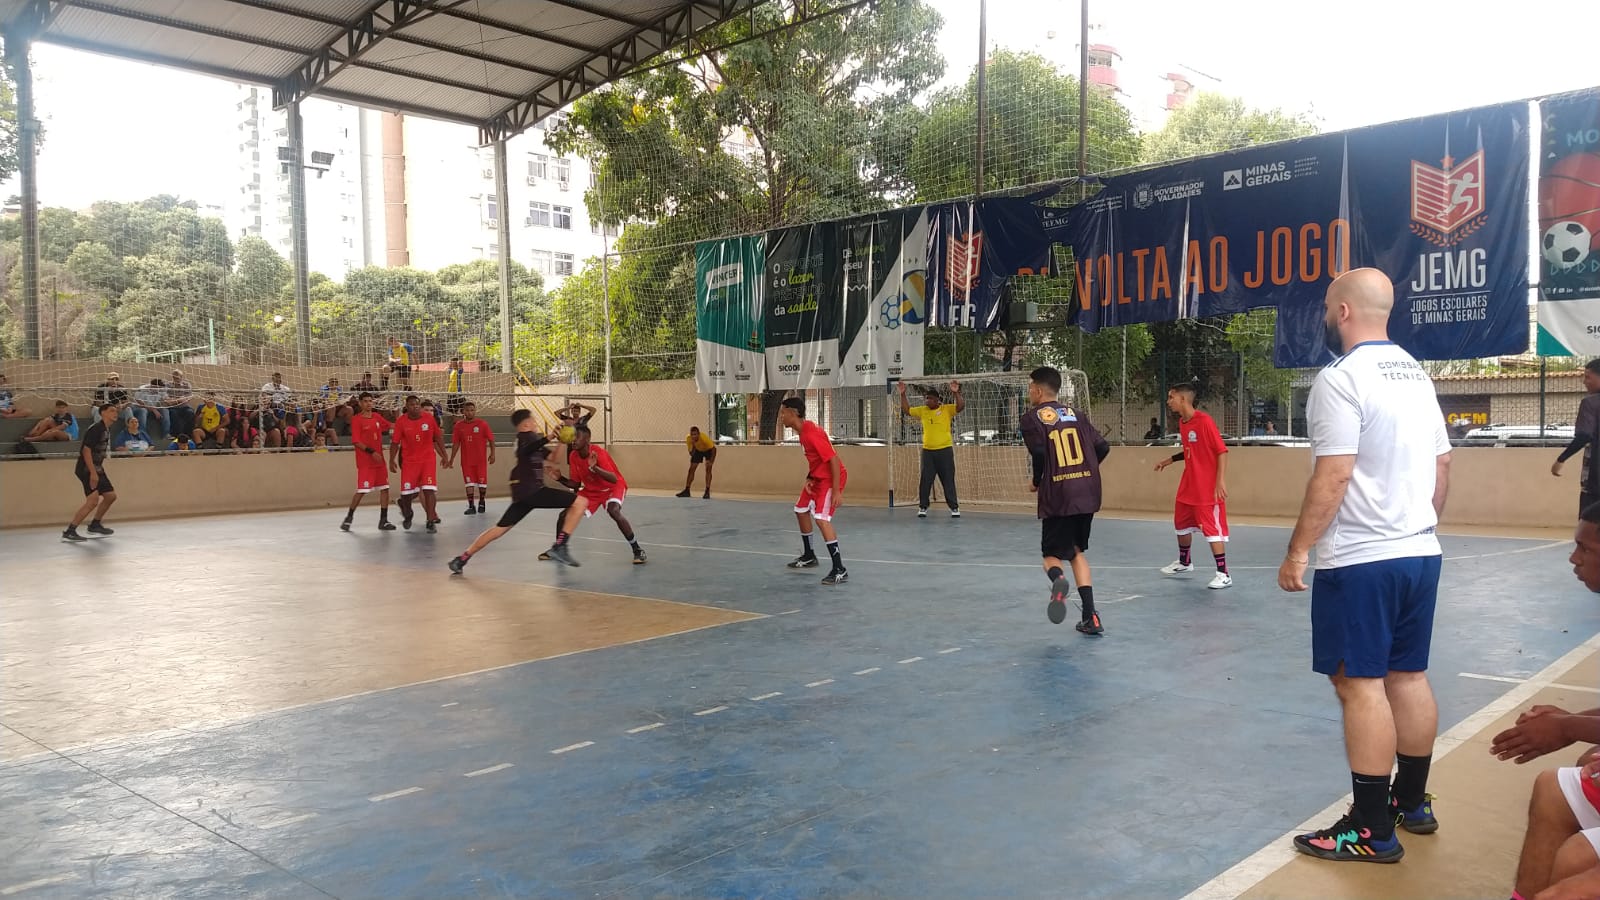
[730,342]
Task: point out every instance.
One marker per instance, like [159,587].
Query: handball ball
[566,434]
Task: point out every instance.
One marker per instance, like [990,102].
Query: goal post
[992,466]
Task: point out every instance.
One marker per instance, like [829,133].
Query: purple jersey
[1066,451]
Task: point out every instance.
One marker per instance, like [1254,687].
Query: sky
[124,131]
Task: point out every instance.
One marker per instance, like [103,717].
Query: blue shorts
[1375,618]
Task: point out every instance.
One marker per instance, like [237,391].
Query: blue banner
[974,249]
[1438,203]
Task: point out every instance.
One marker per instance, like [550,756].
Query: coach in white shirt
[1375,496]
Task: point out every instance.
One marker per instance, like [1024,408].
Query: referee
[1585,437]
[938,445]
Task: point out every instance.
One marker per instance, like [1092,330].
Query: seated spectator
[1155,433]
[319,444]
[180,396]
[181,444]
[268,418]
[211,423]
[244,435]
[275,395]
[149,402]
[364,385]
[334,411]
[295,434]
[8,406]
[111,391]
[62,426]
[132,439]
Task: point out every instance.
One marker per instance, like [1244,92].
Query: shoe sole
[1219,587]
[1091,631]
[1422,828]
[1330,856]
[80,539]
[808,565]
[843,579]
[640,562]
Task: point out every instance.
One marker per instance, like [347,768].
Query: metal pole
[1122,414]
[211,339]
[1083,90]
[1544,368]
[297,218]
[19,46]
[983,91]
[502,227]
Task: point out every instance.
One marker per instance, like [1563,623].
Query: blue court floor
[264,706]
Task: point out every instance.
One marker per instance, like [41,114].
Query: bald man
[1375,496]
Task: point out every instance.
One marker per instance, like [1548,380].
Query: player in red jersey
[594,475]
[1202,506]
[825,480]
[366,436]
[414,453]
[474,440]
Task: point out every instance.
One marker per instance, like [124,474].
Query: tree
[10,134]
[1213,123]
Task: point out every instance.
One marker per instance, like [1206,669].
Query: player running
[366,436]
[1067,480]
[474,440]
[824,490]
[1202,506]
[528,490]
[594,475]
[414,453]
[98,492]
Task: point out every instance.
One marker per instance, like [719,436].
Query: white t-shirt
[279,392]
[1377,403]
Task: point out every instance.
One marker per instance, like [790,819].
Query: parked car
[1504,435]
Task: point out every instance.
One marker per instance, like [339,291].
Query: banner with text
[730,351]
[1438,203]
[975,248]
[882,272]
[803,311]
[1569,225]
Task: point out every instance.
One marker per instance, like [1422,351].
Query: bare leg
[688,481]
[89,503]
[429,504]
[622,522]
[710,464]
[489,536]
[828,534]
[1550,823]
[105,505]
[1575,857]
[1416,716]
[1369,736]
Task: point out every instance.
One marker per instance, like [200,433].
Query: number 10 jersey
[1066,451]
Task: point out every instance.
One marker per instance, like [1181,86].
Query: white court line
[911,660]
[500,768]
[450,704]
[868,671]
[714,709]
[768,696]
[1508,680]
[1256,867]
[820,683]
[36,883]
[643,728]
[788,612]
[379,798]
[949,650]
[292,820]
[571,747]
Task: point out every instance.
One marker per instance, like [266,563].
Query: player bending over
[528,490]
[474,440]
[1067,480]
[824,490]
[366,436]
[594,475]
[414,453]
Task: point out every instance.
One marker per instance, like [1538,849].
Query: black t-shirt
[110,393]
[1588,425]
[1066,452]
[527,476]
[98,439]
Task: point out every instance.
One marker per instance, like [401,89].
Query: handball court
[264,706]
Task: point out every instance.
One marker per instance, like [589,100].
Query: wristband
[1177,457]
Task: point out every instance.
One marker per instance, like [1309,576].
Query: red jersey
[819,450]
[579,470]
[415,436]
[1202,445]
[472,438]
[368,430]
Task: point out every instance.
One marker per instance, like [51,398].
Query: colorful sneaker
[1417,821]
[1345,841]
[809,561]
[457,565]
[1059,592]
[1221,581]
[1091,626]
[1177,568]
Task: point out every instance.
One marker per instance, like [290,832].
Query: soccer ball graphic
[1565,244]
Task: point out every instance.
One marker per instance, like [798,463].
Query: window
[564,171]
[538,214]
[491,209]
[494,251]
[594,179]
[541,262]
[563,217]
[594,228]
[563,264]
[538,166]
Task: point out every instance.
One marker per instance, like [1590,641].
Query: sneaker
[922,514]
[433,526]
[1222,580]
[809,561]
[1345,841]
[386,525]
[639,558]
[345,525]
[97,528]
[837,576]
[1177,568]
[456,565]
[1057,609]
[682,493]
[544,555]
[706,496]
[483,508]
[955,513]
[561,554]
[71,534]
[471,510]
[1091,626]
[405,521]
[1417,821]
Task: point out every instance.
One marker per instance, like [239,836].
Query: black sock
[1411,780]
[561,538]
[350,514]
[1372,803]
[631,542]
[805,543]
[1054,573]
[833,551]
[1183,555]
[383,514]
[1086,593]
[1222,562]
[94,523]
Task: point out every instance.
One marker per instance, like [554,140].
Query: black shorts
[543,498]
[1063,536]
[401,371]
[700,456]
[104,486]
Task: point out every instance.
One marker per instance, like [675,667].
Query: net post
[502,227]
[891,420]
[297,220]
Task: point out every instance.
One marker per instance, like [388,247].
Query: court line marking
[379,798]
[958,649]
[913,659]
[820,683]
[36,883]
[292,820]
[571,747]
[1258,866]
[450,704]
[643,728]
[788,612]
[714,709]
[1505,679]
[768,696]
[499,768]
[868,671]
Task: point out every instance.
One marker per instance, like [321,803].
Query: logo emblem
[1233,179]
[1193,438]
[963,257]
[1142,197]
[1048,415]
[1447,203]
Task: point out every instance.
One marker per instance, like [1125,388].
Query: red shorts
[475,472]
[595,501]
[1209,521]
[419,475]
[371,473]
[819,498]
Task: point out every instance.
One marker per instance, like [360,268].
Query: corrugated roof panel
[460,32]
[437,63]
[399,91]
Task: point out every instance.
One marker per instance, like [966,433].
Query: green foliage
[1213,123]
[10,137]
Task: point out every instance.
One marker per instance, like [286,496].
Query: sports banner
[803,311]
[729,345]
[1438,203]
[871,276]
[975,248]
[1569,225]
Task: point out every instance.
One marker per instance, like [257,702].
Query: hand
[1531,739]
[394,468]
[1222,491]
[449,464]
[955,387]
[1033,488]
[1162,464]
[1292,574]
[1555,468]
[1543,709]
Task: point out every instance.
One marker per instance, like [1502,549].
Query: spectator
[181,443]
[319,443]
[149,402]
[267,418]
[365,384]
[111,391]
[335,412]
[1155,433]
[8,406]
[180,396]
[211,423]
[1585,437]
[295,434]
[401,356]
[133,439]
[429,408]
[62,426]
[1272,427]
[455,386]
[275,395]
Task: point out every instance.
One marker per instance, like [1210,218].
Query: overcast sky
[124,131]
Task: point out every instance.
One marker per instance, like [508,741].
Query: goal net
[992,465]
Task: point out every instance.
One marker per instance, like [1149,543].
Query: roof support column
[18,58]
[502,228]
[297,224]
